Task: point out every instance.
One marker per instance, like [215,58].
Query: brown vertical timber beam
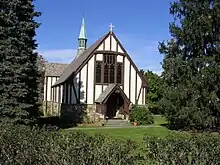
[59,99]
[115,70]
[136,88]
[102,71]
[102,74]
[122,74]
[139,94]
[130,81]
[71,84]
[46,94]
[66,93]
[51,94]
[74,89]
[55,94]
[94,79]
[145,95]
[87,70]
[79,90]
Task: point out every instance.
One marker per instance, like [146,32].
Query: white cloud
[158,72]
[59,55]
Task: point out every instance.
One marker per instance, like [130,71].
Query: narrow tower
[82,40]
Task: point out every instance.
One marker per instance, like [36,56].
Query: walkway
[116,127]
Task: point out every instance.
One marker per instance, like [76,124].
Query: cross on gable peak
[111,27]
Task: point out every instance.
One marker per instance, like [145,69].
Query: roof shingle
[55,69]
[105,93]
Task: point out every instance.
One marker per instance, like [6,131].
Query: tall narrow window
[106,73]
[98,71]
[112,73]
[109,69]
[119,73]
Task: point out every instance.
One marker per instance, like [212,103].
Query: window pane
[119,73]
[98,72]
[109,69]
[104,58]
[106,74]
[112,73]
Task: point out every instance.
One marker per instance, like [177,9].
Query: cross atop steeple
[111,27]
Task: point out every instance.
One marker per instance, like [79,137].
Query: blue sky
[139,25]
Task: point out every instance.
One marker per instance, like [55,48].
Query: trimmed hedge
[202,150]
[22,145]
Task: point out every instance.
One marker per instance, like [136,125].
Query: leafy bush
[155,108]
[155,92]
[141,114]
[22,145]
[184,150]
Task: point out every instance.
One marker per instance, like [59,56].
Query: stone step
[116,122]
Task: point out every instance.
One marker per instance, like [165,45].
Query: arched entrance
[113,102]
[114,106]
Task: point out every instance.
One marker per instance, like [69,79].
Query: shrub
[184,150]
[141,114]
[22,145]
[155,108]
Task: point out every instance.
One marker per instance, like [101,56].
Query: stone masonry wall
[51,108]
[82,113]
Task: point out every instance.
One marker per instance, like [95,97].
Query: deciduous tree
[155,91]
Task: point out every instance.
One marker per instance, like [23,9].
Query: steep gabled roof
[55,69]
[77,62]
[82,59]
[103,97]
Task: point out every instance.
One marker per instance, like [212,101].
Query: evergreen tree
[18,62]
[192,65]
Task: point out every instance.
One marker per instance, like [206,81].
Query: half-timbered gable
[52,74]
[103,63]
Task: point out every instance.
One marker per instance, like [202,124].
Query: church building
[101,80]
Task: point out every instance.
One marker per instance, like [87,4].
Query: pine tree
[192,65]
[18,62]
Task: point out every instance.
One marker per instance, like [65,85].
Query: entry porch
[113,103]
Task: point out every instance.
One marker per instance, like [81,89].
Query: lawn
[134,133]
[159,120]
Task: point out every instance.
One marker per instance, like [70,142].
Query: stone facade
[81,113]
[51,108]
[92,116]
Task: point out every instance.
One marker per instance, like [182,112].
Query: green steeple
[82,34]
[82,40]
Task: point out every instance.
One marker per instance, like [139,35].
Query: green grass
[133,133]
[159,120]
[136,133]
